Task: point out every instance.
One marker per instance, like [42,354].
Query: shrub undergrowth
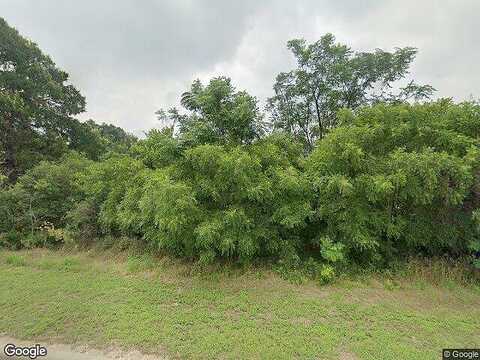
[391,181]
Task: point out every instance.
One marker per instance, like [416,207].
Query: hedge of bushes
[390,181]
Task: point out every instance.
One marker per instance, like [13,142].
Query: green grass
[138,263]
[158,305]
[15,260]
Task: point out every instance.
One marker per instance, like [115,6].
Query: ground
[166,309]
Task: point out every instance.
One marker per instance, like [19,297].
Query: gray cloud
[131,57]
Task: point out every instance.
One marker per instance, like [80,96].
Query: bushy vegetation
[397,180]
[366,178]
[34,210]
[388,182]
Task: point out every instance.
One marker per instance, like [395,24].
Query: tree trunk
[319,118]
[10,162]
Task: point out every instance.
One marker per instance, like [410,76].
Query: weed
[139,263]
[15,260]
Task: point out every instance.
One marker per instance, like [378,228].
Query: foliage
[159,149]
[217,114]
[386,179]
[236,203]
[36,103]
[3,180]
[82,226]
[11,240]
[105,184]
[330,251]
[330,76]
[326,274]
[96,141]
[52,188]
[44,195]
[399,179]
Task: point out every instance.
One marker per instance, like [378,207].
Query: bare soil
[77,352]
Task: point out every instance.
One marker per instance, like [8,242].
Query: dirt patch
[77,352]
[344,355]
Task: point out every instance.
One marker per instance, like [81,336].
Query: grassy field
[160,306]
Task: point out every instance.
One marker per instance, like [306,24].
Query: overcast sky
[132,57]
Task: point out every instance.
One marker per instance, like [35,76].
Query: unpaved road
[67,352]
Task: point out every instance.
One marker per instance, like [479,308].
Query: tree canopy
[330,76]
[36,102]
[216,114]
[37,109]
[98,140]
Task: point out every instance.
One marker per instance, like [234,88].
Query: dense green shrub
[399,179]
[44,193]
[82,226]
[37,204]
[389,181]
[105,184]
[15,214]
[382,182]
[52,188]
[168,213]
[239,202]
[159,149]
[11,240]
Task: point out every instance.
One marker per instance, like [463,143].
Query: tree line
[345,165]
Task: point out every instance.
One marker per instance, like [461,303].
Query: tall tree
[217,113]
[97,140]
[330,76]
[36,101]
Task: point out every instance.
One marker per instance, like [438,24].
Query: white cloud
[130,58]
